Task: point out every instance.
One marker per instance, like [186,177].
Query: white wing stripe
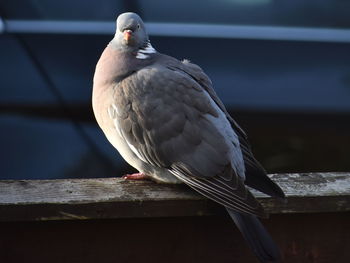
[116,125]
[135,151]
[112,111]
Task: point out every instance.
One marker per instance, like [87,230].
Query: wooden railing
[113,220]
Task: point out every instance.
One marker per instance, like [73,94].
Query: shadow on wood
[110,220]
[319,237]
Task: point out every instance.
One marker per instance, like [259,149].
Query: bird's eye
[138,26]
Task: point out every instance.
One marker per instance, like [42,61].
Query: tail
[256,236]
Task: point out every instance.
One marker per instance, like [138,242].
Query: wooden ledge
[32,200]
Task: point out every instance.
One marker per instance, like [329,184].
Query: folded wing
[169,120]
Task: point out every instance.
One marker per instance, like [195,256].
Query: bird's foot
[135,176]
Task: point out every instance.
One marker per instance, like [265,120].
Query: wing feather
[256,175]
[171,122]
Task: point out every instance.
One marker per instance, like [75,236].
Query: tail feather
[257,178]
[256,236]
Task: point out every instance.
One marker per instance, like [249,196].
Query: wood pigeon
[165,119]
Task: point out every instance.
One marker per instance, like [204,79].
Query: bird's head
[130,33]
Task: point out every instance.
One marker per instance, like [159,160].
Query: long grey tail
[256,236]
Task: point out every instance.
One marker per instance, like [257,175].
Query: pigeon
[165,119]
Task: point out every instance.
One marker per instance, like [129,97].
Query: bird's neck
[115,64]
[143,52]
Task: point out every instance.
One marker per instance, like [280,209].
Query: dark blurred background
[282,68]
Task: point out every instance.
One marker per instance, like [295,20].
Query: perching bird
[165,119]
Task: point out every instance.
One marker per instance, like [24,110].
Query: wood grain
[28,200]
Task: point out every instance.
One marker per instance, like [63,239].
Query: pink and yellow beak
[127,35]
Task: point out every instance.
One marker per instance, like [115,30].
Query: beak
[127,35]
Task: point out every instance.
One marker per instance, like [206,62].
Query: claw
[135,176]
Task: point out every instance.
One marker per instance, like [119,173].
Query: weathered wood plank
[116,198]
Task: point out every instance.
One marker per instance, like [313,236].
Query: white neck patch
[143,52]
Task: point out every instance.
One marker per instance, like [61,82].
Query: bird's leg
[135,176]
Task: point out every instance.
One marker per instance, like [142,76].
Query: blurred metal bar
[58,27]
[183,30]
[251,32]
[2,27]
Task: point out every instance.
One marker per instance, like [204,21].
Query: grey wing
[173,123]
[256,176]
